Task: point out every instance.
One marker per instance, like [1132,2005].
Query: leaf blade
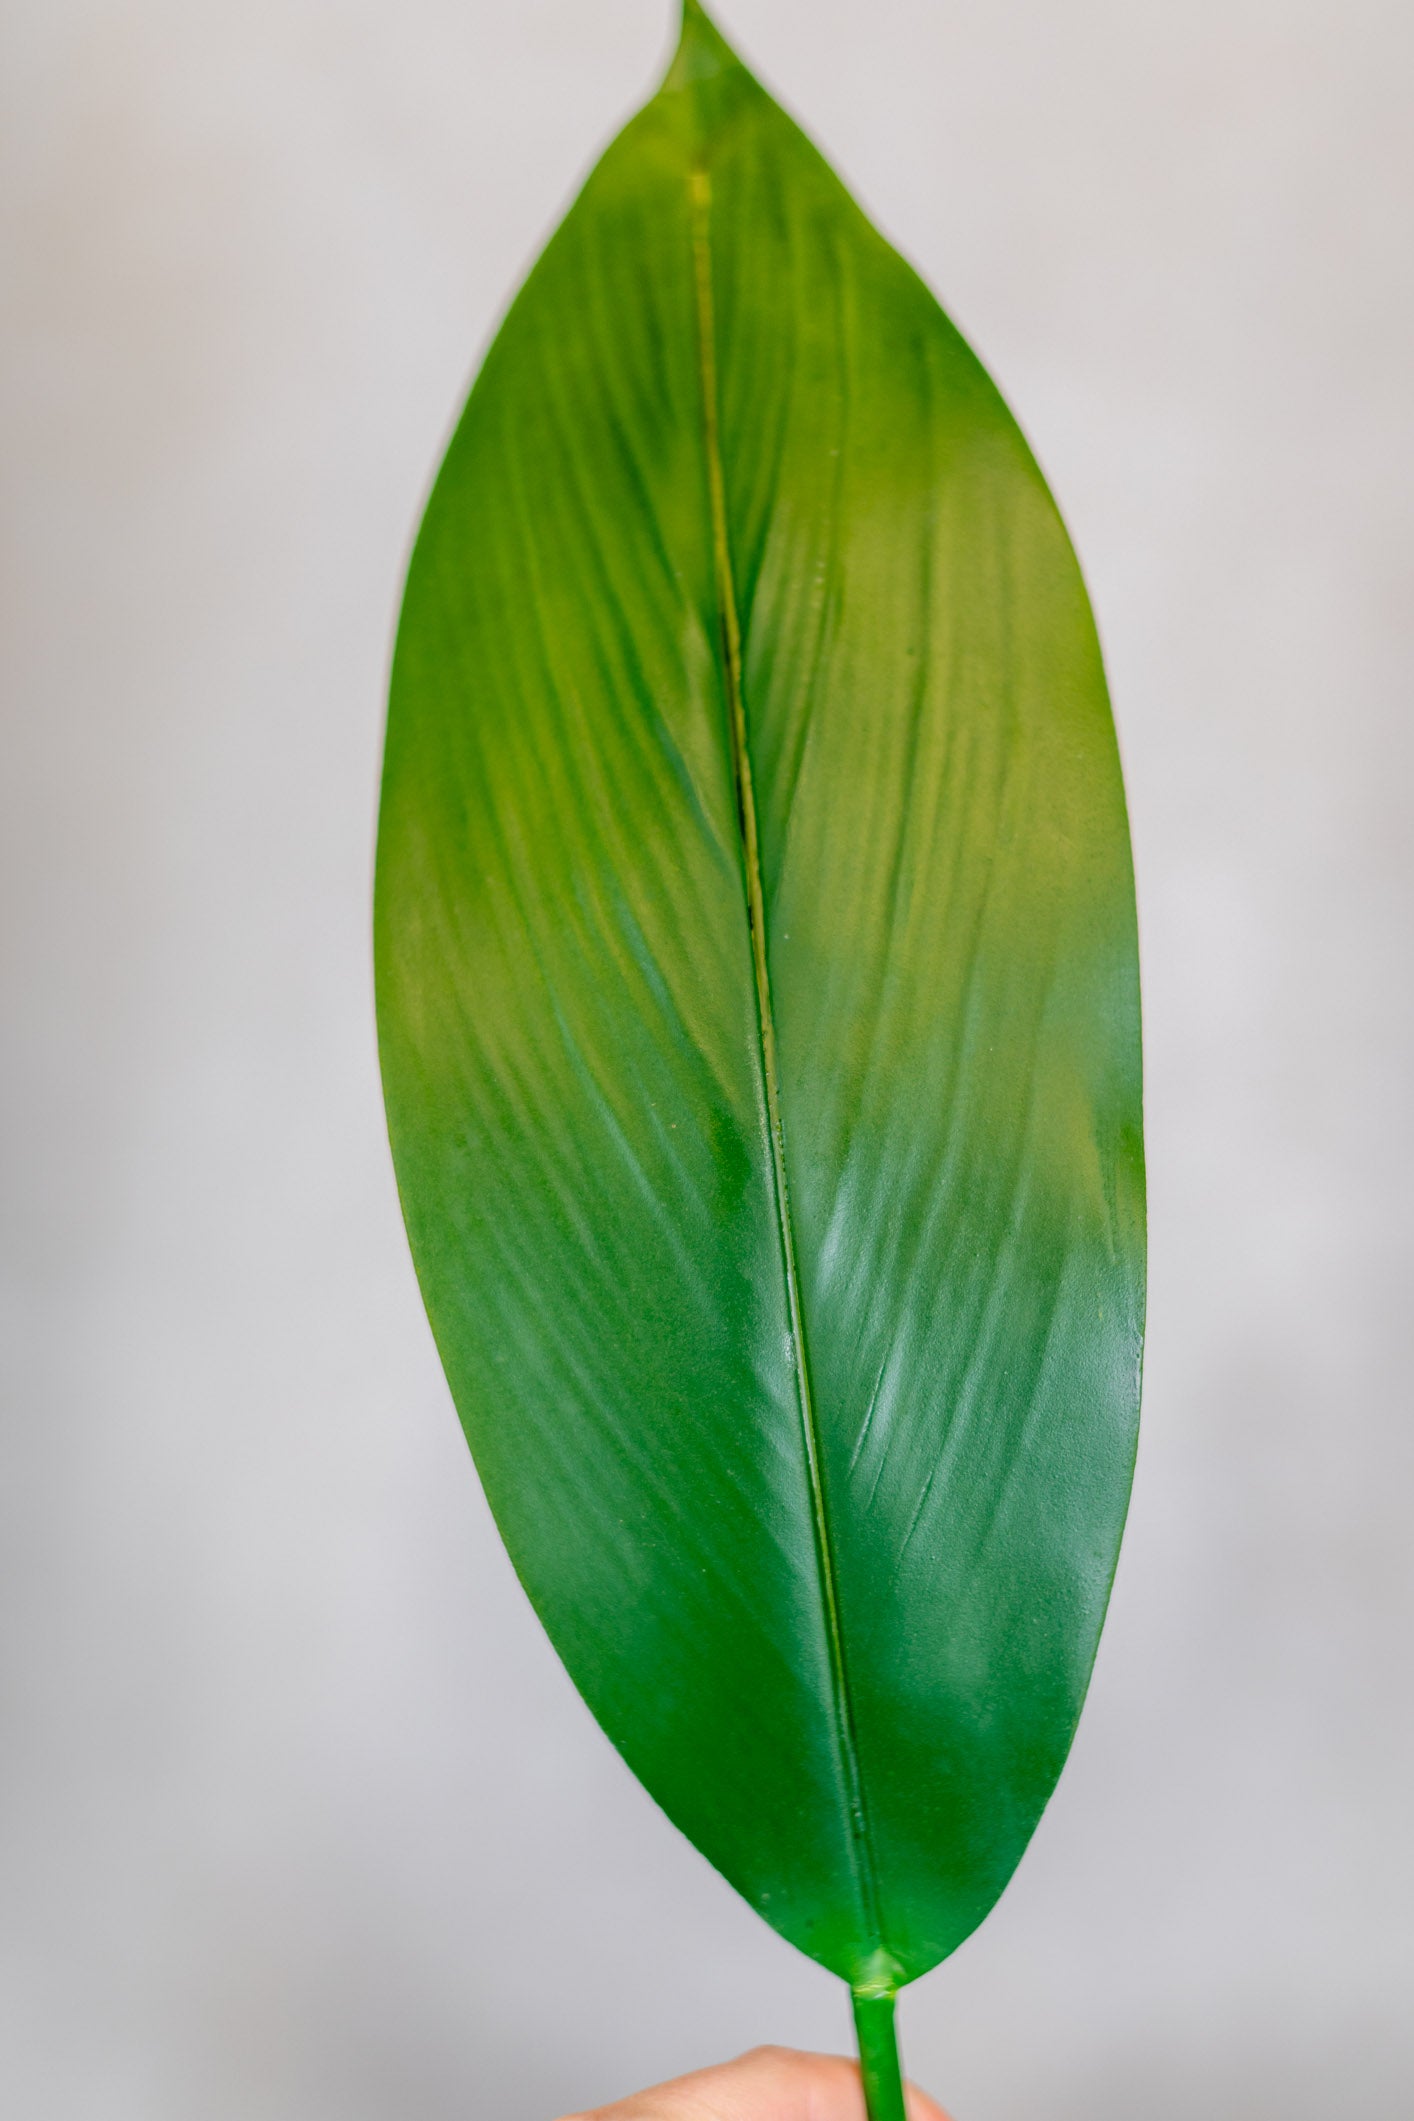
[577,940]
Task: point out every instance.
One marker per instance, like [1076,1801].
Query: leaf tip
[702,49]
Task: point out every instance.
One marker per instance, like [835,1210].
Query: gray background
[301,1818]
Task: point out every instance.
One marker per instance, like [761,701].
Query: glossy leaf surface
[759,1022]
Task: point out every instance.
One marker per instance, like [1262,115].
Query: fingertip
[813,2087]
[765,2084]
[921,2107]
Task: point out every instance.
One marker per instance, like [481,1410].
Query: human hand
[769,2084]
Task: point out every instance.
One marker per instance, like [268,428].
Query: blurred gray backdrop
[301,1819]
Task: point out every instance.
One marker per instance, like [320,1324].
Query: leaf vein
[857,1827]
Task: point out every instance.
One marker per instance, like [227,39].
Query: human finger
[769,2084]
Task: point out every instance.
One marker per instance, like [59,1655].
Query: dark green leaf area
[759,1023]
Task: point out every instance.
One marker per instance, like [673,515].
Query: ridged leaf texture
[759,1023]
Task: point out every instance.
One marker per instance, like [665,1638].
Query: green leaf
[759,1021]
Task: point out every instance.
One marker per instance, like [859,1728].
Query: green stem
[878,2057]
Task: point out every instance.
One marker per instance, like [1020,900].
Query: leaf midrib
[856,1823]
